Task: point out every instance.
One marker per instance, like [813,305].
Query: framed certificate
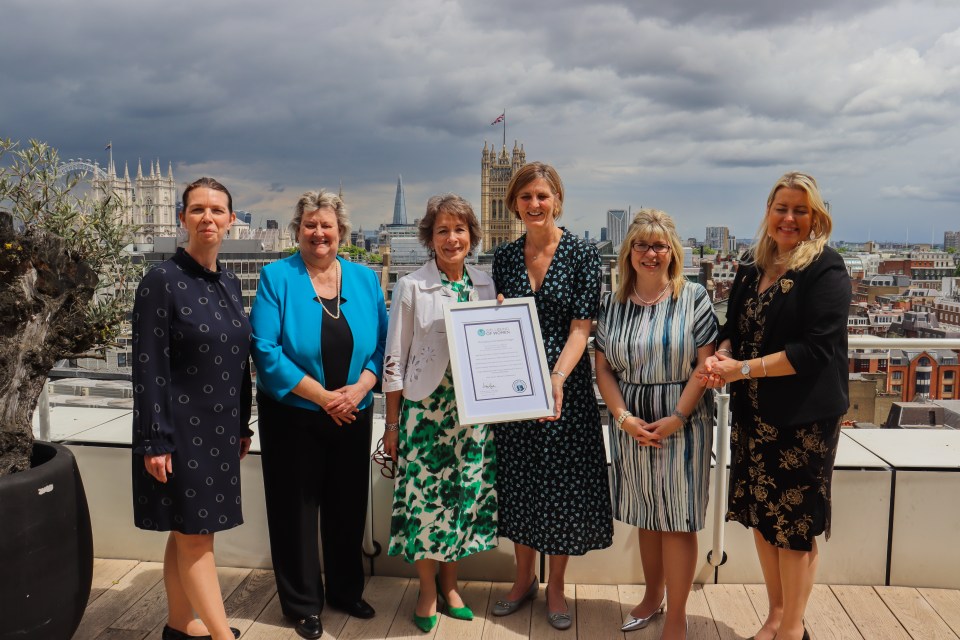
[498,361]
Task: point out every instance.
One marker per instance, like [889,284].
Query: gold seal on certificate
[498,361]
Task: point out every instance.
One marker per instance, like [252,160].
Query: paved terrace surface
[128,602]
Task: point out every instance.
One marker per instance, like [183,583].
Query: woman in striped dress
[653,333]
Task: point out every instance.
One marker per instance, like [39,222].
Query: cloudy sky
[691,106]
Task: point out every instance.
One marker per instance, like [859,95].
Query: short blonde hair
[764,249]
[322,199]
[650,224]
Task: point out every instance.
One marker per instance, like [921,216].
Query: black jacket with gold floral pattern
[808,320]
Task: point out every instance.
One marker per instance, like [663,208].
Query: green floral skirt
[444,499]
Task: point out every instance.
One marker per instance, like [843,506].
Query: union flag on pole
[109,146]
[499,118]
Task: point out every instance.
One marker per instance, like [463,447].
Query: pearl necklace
[320,300]
[655,299]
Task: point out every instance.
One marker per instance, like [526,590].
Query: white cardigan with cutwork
[417,355]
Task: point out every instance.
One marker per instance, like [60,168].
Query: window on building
[898,375]
[922,383]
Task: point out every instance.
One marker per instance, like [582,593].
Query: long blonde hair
[764,249]
[650,224]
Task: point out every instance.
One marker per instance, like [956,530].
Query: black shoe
[309,627]
[358,609]
[169,633]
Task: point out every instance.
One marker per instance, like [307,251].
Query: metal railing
[873,342]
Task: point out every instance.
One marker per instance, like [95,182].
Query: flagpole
[504,127]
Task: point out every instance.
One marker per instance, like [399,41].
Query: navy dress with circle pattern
[192,392]
[552,484]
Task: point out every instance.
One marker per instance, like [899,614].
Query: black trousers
[311,468]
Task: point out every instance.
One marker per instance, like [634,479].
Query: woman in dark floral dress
[784,349]
[552,478]
[445,502]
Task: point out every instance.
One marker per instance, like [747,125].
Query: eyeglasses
[643,247]
[387,467]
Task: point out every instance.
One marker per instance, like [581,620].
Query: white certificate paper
[498,361]
[496,354]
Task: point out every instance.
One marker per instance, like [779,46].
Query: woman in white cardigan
[445,504]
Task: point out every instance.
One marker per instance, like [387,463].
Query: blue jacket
[286,328]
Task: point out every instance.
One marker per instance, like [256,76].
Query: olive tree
[65,283]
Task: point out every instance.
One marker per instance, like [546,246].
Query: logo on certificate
[519,386]
[481,332]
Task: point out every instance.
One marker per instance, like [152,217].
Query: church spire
[110,168]
[139,169]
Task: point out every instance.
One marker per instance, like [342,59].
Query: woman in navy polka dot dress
[192,391]
[552,475]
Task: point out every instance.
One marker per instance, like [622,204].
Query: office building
[617,223]
[717,238]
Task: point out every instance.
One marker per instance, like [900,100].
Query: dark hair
[527,174]
[209,183]
[454,205]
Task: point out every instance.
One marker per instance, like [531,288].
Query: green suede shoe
[460,613]
[425,623]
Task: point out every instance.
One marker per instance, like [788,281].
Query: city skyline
[692,109]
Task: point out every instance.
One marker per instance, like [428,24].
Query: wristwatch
[745,369]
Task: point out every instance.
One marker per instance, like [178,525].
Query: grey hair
[323,199]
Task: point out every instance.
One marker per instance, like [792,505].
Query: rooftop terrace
[128,603]
[892,563]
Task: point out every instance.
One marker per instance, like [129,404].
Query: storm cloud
[690,106]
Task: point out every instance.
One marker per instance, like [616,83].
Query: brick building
[932,374]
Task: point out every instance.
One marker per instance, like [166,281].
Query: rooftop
[128,602]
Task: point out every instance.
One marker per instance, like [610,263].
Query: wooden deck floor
[128,602]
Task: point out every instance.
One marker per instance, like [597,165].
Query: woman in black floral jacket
[784,349]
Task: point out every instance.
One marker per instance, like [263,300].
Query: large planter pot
[46,548]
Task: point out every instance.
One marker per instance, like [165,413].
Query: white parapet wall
[910,511]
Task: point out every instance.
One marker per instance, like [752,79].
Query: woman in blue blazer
[319,327]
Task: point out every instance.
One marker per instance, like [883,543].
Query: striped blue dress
[652,350]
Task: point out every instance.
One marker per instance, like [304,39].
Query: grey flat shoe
[506,607]
[559,621]
[630,623]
